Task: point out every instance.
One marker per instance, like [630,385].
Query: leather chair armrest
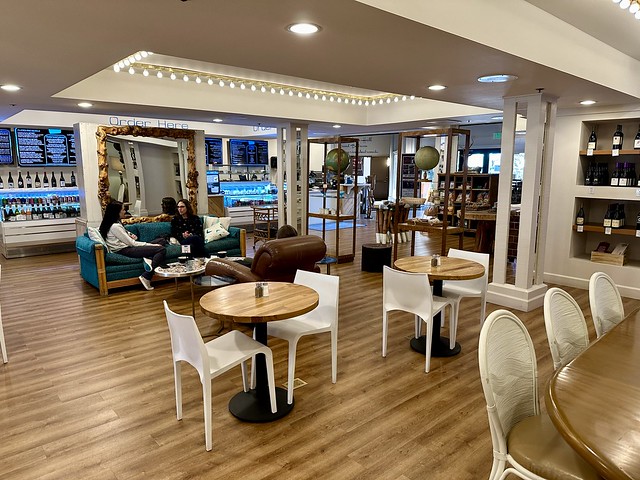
[226,268]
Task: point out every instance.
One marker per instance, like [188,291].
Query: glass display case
[249,193]
[23,204]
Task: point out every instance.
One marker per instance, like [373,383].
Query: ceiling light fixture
[10,88]
[217,120]
[85,104]
[436,88]
[632,5]
[497,78]
[498,117]
[264,86]
[587,102]
[337,126]
[303,28]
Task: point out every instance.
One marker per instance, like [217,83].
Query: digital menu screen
[213,183]
[6,155]
[45,146]
[213,150]
[248,152]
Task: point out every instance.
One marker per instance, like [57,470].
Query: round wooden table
[237,303]
[450,269]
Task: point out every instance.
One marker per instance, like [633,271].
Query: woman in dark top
[186,227]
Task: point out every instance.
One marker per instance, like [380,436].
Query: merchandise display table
[450,269]
[237,303]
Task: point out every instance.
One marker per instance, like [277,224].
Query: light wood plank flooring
[88,390]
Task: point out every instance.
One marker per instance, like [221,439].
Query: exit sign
[497,136]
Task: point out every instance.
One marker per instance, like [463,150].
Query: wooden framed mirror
[172,133]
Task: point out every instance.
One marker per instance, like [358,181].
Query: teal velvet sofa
[105,270]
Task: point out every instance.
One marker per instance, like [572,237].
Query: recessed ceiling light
[303,28]
[499,117]
[431,127]
[497,78]
[10,88]
[85,104]
[437,87]
[217,120]
[587,102]
[337,126]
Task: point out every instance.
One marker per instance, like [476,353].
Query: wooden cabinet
[481,189]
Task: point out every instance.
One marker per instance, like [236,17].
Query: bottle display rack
[23,204]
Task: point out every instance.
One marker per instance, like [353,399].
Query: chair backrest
[508,373]
[278,260]
[605,302]
[186,342]
[328,288]
[406,291]
[481,258]
[566,327]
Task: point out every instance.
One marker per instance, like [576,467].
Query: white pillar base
[511,296]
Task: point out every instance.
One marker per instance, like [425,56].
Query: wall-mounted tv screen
[213,150]
[213,182]
[248,152]
[45,146]
[6,152]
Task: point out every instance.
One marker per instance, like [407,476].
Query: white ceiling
[61,53]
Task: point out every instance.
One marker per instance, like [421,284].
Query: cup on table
[222,254]
[183,259]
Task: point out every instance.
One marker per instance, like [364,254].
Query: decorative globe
[426,158]
[333,157]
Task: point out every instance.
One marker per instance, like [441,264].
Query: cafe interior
[450,302]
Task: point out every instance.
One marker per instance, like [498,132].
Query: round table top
[451,268]
[237,302]
[179,273]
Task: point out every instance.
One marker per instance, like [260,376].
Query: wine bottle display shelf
[609,153]
[598,228]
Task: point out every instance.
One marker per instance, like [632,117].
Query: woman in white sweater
[119,240]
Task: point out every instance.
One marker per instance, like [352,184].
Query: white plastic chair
[605,302]
[458,289]
[566,327]
[525,442]
[324,318]
[3,346]
[411,292]
[212,359]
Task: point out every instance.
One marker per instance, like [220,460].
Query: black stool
[374,256]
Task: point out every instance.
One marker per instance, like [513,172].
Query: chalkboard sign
[45,146]
[248,152]
[213,150]
[6,154]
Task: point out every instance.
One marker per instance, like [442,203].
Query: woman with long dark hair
[186,227]
[121,241]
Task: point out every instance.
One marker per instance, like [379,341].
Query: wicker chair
[522,437]
[605,302]
[566,327]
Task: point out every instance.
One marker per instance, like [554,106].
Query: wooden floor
[88,390]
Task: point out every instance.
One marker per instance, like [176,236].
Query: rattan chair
[605,302]
[525,442]
[566,327]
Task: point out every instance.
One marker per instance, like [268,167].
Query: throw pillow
[215,232]
[210,221]
[94,234]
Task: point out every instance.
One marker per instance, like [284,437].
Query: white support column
[528,291]
[282,155]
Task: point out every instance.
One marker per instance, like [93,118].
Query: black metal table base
[248,407]
[439,348]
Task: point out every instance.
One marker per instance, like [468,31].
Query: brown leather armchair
[276,260]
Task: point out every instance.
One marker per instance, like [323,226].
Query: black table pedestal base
[440,347]
[247,407]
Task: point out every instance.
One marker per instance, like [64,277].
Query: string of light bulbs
[133,65]
[632,5]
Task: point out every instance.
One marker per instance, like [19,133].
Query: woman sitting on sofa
[186,227]
[119,240]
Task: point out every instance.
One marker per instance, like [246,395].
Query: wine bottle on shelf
[588,177]
[615,216]
[593,139]
[636,141]
[54,182]
[62,182]
[10,183]
[20,180]
[73,179]
[607,218]
[37,182]
[618,137]
[580,216]
[1,184]
[615,180]
[623,219]
[28,180]
[45,180]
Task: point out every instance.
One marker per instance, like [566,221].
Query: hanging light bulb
[172,76]
[395,99]
[198,80]
[145,54]
[210,82]
[315,96]
[388,100]
[221,83]
[308,95]
[138,56]
[145,72]
[242,86]
[291,93]
[634,7]
[282,91]
[404,98]
[263,89]
[253,88]
[232,85]
[624,4]
[132,70]
[380,101]
[159,74]
[331,99]
[339,99]
[300,94]
[121,64]
[131,59]
[359,102]
[185,77]
[116,68]
[126,62]
[366,103]
[324,98]
[273,90]
[412,97]
[353,101]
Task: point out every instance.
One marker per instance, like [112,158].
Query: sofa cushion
[113,258]
[215,232]
[94,234]
[209,221]
[147,232]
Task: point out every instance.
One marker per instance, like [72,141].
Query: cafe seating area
[96,393]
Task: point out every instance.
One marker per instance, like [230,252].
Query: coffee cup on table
[222,254]
[183,259]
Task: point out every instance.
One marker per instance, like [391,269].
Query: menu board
[248,152]
[45,146]
[6,157]
[213,182]
[213,150]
